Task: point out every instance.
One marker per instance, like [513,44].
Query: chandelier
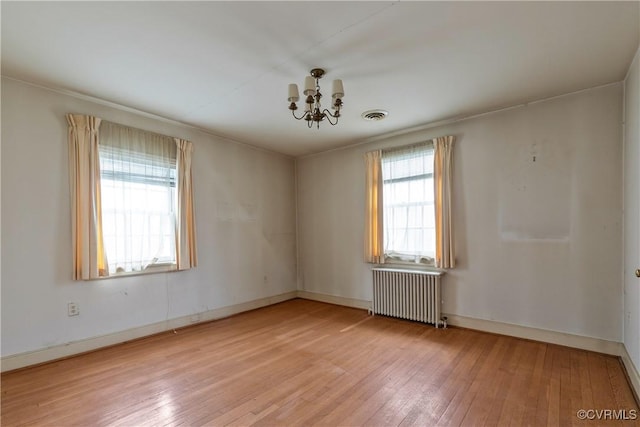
[313,111]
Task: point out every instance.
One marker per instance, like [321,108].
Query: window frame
[422,261]
[156,267]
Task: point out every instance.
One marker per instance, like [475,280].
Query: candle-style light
[313,111]
[294,96]
[337,89]
[309,86]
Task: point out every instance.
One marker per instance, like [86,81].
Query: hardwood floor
[308,363]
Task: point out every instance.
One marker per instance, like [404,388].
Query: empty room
[329,213]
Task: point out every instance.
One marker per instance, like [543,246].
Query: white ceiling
[225,66]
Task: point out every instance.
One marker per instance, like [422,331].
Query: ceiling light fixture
[313,111]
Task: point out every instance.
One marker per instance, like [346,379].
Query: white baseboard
[22,360]
[632,371]
[527,332]
[333,299]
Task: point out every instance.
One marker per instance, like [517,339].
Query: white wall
[245,216]
[538,243]
[632,211]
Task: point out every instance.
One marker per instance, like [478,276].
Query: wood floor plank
[308,363]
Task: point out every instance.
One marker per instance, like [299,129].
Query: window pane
[409,217]
[138,175]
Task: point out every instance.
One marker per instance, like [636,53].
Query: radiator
[413,295]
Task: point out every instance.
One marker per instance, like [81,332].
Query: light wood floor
[304,363]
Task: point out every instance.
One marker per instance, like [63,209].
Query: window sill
[150,269]
[404,268]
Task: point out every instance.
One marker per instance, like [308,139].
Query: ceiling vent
[374,115]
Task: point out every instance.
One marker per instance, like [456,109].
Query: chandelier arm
[304,114]
[335,114]
[328,115]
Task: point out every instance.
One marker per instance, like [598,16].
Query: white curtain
[89,259]
[138,197]
[373,241]
[186,252]
[409,225]
[443,173]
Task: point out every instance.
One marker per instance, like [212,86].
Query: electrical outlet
[73,309]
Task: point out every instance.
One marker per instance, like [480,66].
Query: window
[408,208]
[131,200]
[138,180]
[408,203]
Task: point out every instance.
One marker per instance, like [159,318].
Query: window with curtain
[408,203]
[131,200]
[138,179]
